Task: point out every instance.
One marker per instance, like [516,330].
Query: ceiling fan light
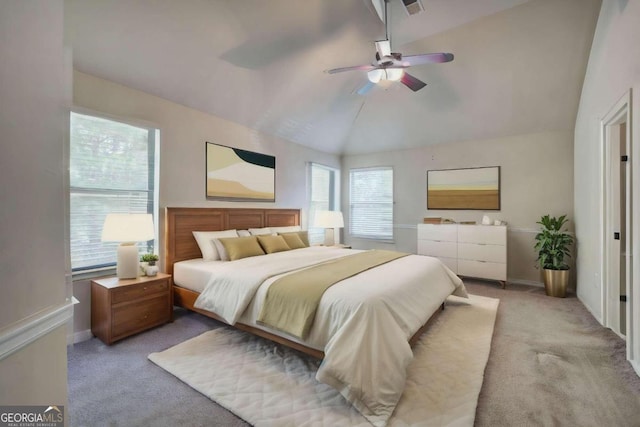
[394,74]
[374,76]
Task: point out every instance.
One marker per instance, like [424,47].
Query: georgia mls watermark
[32,416]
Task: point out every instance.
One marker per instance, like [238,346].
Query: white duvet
[363,323]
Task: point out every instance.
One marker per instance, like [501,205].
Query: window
[112,169]
[323,196]
[371,196]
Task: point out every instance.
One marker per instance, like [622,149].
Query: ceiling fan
[392,65]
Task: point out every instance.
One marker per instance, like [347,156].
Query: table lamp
[329,220]
[128,229]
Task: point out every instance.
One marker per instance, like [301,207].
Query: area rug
[269,385]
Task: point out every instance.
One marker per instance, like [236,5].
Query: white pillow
[222,251]
[244,233]
[289,229]
[206,245]
[260,231]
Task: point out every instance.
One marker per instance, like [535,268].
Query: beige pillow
[222,252]
[242,247]
[293,240]
[272,244]
[206,245]
[304,236]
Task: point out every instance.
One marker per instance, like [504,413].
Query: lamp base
[329,236]
[128,263]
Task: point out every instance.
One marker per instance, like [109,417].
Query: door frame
[618,114]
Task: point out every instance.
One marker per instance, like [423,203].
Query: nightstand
[120,308]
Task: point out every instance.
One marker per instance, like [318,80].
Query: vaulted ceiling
[518,68]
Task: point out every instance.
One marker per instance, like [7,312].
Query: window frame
[379,237]
[316,235]
[153,176]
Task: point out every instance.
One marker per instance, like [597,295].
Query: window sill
[92,274]
[375,239]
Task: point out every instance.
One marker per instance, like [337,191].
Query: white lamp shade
[128,228]
[328,219]
[394,74]
[374,75]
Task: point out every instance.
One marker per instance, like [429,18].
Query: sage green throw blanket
[291,302]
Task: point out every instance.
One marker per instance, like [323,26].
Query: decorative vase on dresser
[468,250]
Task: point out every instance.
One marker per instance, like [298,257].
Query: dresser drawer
[139,315]
[486,270]
[133,292]
[489,234]
[441,232]
[437,248]
[482,252]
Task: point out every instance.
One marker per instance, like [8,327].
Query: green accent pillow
[272,244]
[293,240]
[242,247]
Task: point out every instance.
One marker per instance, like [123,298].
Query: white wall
[34,88]
[614,69]
[536,179]
[183,133]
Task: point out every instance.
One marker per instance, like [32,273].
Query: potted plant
[553,245]
[148,264]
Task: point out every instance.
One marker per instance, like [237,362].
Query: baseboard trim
[82,336]
[636,366]
[20,334]
[598,318]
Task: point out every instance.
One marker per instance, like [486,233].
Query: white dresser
[468,250]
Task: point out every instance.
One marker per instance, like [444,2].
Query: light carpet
[269,385]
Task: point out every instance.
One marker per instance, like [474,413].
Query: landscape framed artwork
[471,188]
[239,175]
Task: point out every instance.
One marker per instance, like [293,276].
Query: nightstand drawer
[140,315]
[123,307]
[133,292]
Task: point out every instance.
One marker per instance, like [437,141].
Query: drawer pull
[145,288]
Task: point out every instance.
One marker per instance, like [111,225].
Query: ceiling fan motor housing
[413,7]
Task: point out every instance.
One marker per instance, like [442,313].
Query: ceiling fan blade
[353,68]
[411,82]
[365,88]
[427,58]
[383,47]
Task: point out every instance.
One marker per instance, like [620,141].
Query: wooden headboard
[180,244]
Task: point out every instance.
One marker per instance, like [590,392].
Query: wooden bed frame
[180,245]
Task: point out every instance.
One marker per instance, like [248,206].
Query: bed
[363,327]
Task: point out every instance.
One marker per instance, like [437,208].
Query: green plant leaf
[553,243]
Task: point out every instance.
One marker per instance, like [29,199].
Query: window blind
[322,197]
[371,203]
[111,170]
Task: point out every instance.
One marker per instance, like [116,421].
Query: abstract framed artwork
[471,188]
[239,175]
